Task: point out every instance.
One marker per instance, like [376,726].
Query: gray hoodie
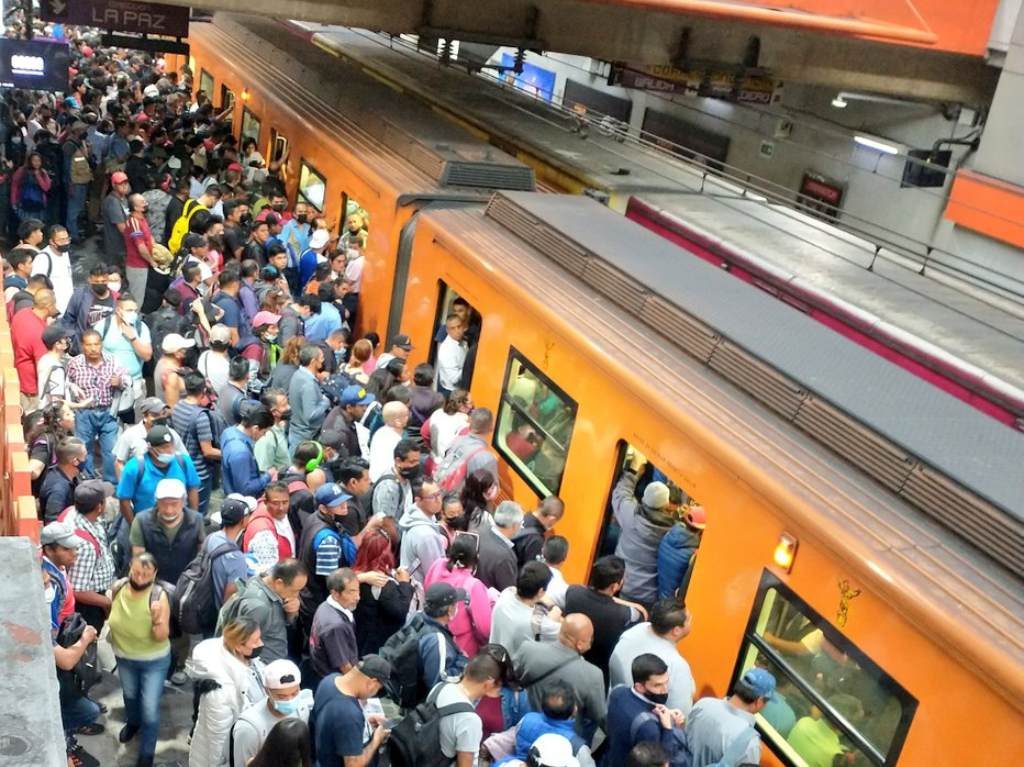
[423,542]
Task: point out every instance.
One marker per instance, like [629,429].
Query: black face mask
[246,219]
[278,208]
[136,586]
[98,290]
[302,218]
[411,473]
[287,414]
[255,653]
[163,420]
[66,248]
[459,523]
[658,699]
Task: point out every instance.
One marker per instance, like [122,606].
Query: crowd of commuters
[239,493]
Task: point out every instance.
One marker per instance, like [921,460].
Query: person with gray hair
[498,566]
[309,403]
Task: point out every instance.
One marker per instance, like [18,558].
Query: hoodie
[239,470]
[232,687]
[642,531]
[423,543]
[674,554]
[471,625]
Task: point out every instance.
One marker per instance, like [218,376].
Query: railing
[17,506]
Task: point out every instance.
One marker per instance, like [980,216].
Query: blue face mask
[164,458]
[287,707]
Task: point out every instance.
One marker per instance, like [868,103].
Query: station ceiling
[903,56]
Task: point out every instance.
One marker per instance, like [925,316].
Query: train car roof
[606,163]
[973,606]
[400,137]
[814,257]
[965,445]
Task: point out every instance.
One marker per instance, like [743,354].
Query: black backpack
[76,682]
[194,605]
[402,651]
[335,385]
[416,740]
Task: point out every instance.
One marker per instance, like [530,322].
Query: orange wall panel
[987,205]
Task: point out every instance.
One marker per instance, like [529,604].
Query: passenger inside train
[256,491]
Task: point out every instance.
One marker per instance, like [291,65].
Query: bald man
[386,439]
[27,328]
[538,663]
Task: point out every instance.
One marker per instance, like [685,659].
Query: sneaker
[178,678]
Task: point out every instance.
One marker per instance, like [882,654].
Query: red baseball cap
[118,177]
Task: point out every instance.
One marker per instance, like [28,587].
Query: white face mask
[114,285]
[50,593]
[131,317]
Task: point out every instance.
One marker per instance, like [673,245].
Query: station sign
[746,88]
[39,65]
[120,15]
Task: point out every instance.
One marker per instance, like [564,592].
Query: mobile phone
[390,724]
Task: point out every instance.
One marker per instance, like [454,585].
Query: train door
[227,97]
[450,303]
[684,514]
[404,258]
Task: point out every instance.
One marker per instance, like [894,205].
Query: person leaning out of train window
[642,525]
[677,548]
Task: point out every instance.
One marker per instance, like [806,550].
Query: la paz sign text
[120,15]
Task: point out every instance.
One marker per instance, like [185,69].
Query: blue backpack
[32,195]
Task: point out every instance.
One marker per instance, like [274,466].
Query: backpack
[402,651]
[335,385]
[32,195]
[217,426]
[180,228]
[367,500]
[81,171]
[76,682]
[451,474]
[194,602]
[416,740]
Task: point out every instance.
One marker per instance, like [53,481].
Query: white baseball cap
[170,488]
[552,750]
[319,239]
[174,342]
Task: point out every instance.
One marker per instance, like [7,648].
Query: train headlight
[785,551]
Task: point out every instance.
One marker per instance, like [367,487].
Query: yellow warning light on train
[785,551]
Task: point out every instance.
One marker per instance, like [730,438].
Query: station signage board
[39,65]
[747,88]
[121,15]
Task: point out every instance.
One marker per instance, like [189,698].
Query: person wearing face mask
[637,712]
[54,261]
[309,403]
[312,255]
[392,493]
[139,626]
[58,489]
[281,680]
[133,443]
[127,340]
[423,542]
[266,351]
[91,303]
[325,546]
[141,479]
[272,448]
[228,674]
[138,243]
[240,472]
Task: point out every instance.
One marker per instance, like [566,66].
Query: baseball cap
[760,681]
[552,750]
[54,333]
[319,239]
[356,395]
[89,495]
[375,667]
[193,240]
[159,435]
[151,90]
[220,333]
[402,341]
[59,534]
[152,405]
[441,595]
[265,318]
[118,177]
[281,674]
[170,488]
[248,500]
[269,273]
[696,517]
[174,342]
[237,166]
[174,163]
[233,511]
[330,495]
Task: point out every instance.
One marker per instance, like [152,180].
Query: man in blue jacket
[440,659]
[676,550]
[638,713]
[239,470]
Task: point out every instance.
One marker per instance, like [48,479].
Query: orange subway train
[865,536]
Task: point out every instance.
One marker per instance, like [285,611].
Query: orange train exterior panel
[989,206]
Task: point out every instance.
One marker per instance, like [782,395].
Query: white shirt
[354,272]
[382,451]
[641,639]
[557,587]
[444,428]
[214,368]
[451,356]
[59,267]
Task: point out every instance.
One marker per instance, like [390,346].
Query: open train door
[404,256]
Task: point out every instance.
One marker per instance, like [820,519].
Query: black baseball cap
[375,667]
[233,511]
[443,595]
[159,435]
[402,341]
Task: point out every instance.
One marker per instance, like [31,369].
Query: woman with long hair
[362,350]
[288,364]
[288,744]
[229,677]
[478,495]
[471,625]
[43,430]
[445,425]
[30,186]
[382,610]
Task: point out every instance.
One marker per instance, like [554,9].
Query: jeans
[142,684]
[205,490]
[78,712]
[97,423]
[77,195]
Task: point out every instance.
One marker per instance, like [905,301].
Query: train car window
[834,703]
[227,97]
[312,186]
[206,83]
[250,126]
[535,422]
[685,515]
[449,302]
[278,145]
[354,223]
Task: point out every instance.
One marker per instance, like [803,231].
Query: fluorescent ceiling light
[839,102]
[876,144]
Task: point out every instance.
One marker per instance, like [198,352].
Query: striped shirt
[94,380]
[183,416]
[93,569]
